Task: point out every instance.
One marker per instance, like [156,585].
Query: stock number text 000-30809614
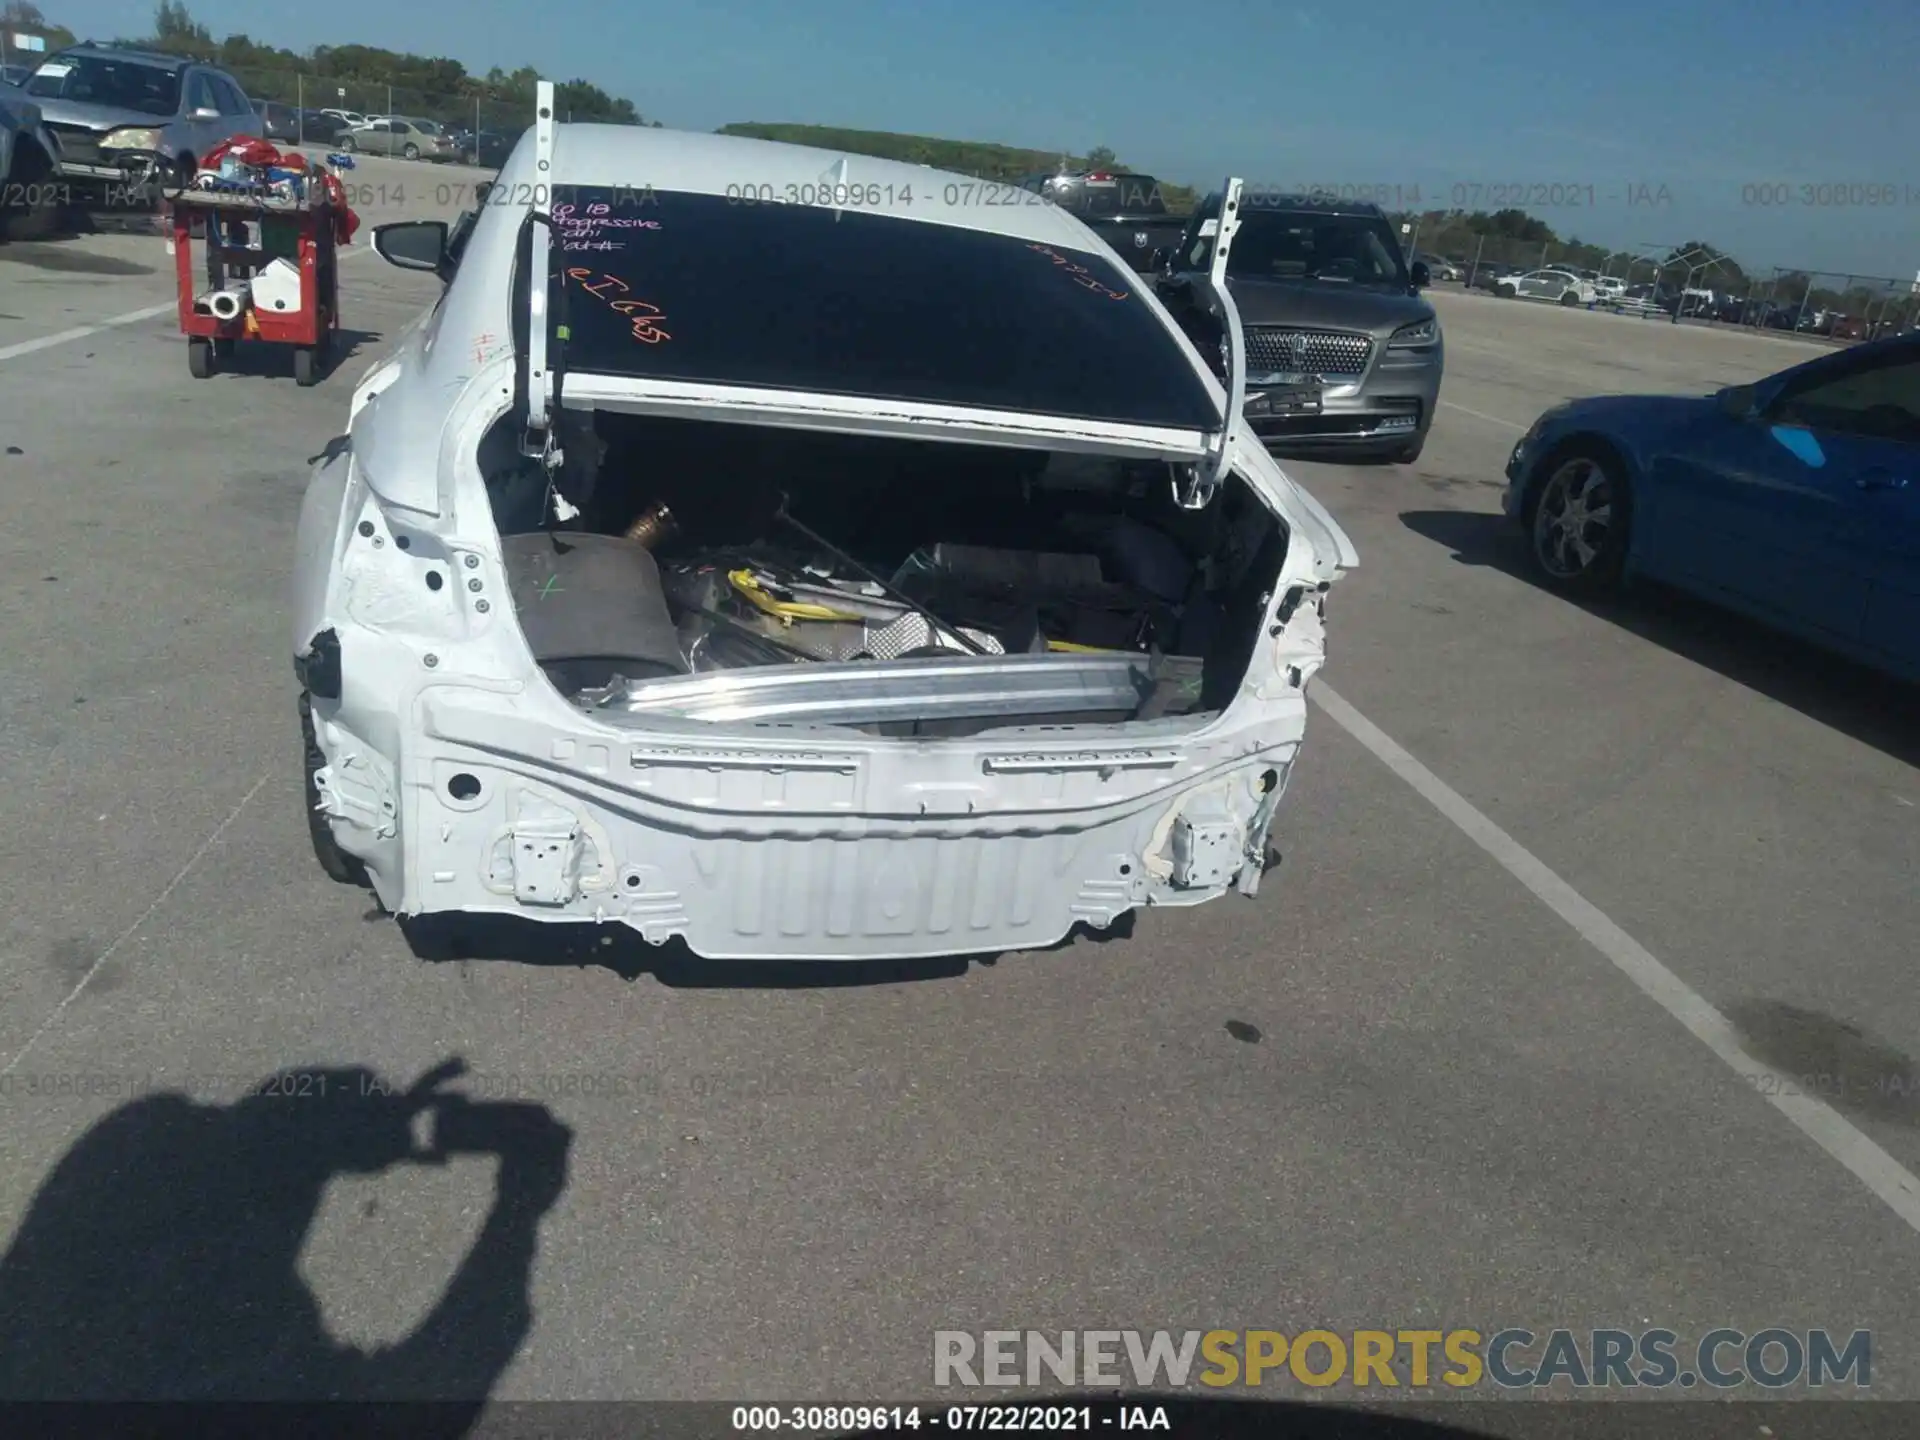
[459,194]
[871,195]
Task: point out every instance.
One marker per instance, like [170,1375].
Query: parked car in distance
[321,128]
[124,117]
[1437,268]
[1795,500]
[279,123]
[1555,287]
[487,148]
[1128,211]
[1491,277]
[785,720]
[288,126]
[1342,351]
[1608,287]
[347,118]
[409,139]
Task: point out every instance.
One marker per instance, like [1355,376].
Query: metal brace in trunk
[539,377]
[538,438]
[1202,481]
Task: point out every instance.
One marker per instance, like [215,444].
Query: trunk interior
[734,572]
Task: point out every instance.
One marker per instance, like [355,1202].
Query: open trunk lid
[1075,355]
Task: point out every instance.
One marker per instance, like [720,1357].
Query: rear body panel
[699,810]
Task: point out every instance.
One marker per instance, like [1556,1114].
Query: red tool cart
[270,273]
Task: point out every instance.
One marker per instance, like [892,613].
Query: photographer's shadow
[158,1260]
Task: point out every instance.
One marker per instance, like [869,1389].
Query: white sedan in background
[1558,287]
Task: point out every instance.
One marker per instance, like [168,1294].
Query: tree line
[431,86]
[442,89]
[1513,237]
[983,160]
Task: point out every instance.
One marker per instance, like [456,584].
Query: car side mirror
[414,245]
[1739,402]
[1422,276]
[206,112]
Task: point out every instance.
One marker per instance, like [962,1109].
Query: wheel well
[1590,442]
[31,160]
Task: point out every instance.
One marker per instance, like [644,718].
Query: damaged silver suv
[769,549]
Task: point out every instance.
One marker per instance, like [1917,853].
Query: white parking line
[1481,415]
[1896,1187]
[81,332]
[122,938]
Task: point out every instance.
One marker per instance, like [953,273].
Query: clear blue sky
[1704,98]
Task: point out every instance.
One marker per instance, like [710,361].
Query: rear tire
[337,864]
[1570,298]
[345,142]
[410,152]
[306,366]
[1506,292]
[1579,520]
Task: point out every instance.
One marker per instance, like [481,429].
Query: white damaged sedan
[805,556]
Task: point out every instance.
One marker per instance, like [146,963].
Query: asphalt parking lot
[1413,1083]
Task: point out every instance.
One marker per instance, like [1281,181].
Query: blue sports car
[1795,500]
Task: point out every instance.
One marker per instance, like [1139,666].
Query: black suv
[1126,210]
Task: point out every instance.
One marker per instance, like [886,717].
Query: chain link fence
[1830,305]
[307,109]
[1668,282]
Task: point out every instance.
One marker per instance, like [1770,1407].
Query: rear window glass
[801,297]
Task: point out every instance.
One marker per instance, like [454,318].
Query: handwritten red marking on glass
[646,326]
[1079,274]
[599,288]
[646,318]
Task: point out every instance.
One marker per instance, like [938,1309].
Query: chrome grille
[1273,348]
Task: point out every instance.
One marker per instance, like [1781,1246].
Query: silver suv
[1343,353]
[122,117]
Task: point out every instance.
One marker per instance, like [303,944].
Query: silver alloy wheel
[1573,519]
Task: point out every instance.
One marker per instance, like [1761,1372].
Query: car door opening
[748,574]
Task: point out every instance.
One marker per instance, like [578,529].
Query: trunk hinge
[1196,489]
[543,379]
[539,376]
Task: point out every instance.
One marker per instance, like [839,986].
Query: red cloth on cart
[252,150]
[345,222]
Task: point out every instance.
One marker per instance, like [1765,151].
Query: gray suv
[1342,353]
[121,116]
